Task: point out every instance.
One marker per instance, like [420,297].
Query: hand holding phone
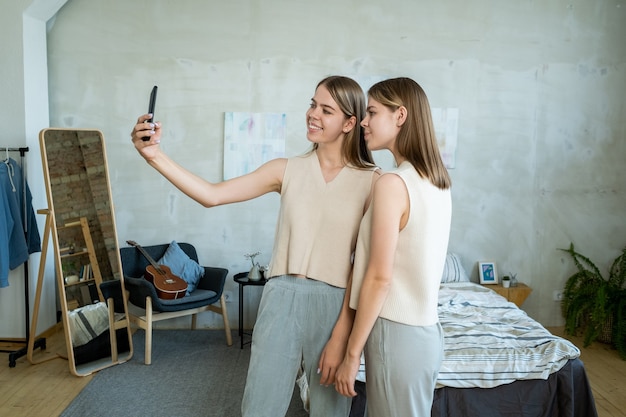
[153,95]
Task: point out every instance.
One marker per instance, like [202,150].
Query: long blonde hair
[416,140]
[349,95]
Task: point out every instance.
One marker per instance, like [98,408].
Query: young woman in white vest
[324,195]
[399,259]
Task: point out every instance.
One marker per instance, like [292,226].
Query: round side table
[243,281]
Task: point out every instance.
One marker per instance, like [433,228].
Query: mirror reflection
[88,266]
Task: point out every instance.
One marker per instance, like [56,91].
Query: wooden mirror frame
[82,225]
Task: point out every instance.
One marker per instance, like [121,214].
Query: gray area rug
[193,373]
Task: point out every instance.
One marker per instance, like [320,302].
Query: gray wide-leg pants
[401,367]
[295,319]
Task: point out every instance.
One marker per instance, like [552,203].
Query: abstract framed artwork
[487,272]
[252,139]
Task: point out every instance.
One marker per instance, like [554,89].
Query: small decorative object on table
[255,272]
[265,269]
[506,281]
[513,279]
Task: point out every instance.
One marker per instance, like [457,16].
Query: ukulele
[168,286]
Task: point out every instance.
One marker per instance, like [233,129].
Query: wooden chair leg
[229,336]
[148,348]
[112,330]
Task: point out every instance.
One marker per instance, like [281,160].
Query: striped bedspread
[491,342]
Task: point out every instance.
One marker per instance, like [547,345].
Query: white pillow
[453,271]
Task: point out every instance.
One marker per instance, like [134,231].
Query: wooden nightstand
[516,295]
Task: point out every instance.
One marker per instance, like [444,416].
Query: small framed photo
[487,272]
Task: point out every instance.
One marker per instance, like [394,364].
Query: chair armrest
[138,290]
[213,279]
[113,289]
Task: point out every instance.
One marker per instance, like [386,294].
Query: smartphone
[153,96]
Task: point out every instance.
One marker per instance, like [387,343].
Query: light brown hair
[416,140]
[350,98]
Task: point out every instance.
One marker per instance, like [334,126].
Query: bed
[500,362]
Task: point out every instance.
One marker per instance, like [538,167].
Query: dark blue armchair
[146,308]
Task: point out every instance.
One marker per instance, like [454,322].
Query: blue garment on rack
[6,227]
[15,244]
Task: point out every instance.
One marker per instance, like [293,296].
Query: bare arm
[267,178]
[335,348]
[390,211]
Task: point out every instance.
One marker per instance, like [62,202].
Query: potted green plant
[506,281]
[69,267]
[592,302]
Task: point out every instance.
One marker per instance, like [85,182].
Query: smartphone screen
[153,96]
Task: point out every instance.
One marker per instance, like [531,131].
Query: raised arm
[267,178]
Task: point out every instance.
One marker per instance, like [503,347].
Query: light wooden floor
[46,389]
[607,374]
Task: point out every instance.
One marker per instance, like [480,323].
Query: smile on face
[381,125]
[325,120]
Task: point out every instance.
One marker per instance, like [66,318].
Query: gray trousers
[401,366]
[295,319]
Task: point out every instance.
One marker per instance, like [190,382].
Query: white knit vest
[419,257]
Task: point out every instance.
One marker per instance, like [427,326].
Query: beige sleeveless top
[318,221]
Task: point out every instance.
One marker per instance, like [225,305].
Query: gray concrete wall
[24,101]
[540,88]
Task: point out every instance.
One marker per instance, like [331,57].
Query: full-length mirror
[88,267]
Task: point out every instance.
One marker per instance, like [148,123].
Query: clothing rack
[15,354]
